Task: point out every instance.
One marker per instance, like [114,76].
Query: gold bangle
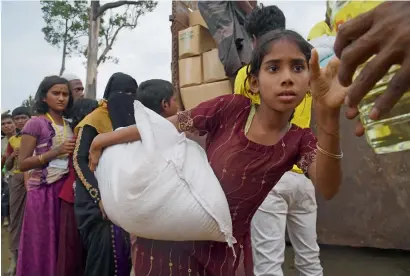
[328,154]
[40,158]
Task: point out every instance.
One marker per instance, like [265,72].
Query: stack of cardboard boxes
[201,73]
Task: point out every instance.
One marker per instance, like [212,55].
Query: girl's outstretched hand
[324,84]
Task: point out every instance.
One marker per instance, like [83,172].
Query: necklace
[60,138]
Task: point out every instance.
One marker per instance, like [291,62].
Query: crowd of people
[259,145]
[58,227]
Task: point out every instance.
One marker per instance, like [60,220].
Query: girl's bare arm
[124,135]
[325,172]
[26,159]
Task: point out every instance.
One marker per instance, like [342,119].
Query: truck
[372,208]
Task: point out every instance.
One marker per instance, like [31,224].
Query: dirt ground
[337,261]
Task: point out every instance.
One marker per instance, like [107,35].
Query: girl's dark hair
[264,19]
[81,108]
[151,93]
[40,107]
[264,44]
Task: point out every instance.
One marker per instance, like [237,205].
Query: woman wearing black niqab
[107,245]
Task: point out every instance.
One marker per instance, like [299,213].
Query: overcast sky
[144,53]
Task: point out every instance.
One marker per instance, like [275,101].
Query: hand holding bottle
[384,32]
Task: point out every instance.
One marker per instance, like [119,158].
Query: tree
[103,33]
[65,22]
[28,102]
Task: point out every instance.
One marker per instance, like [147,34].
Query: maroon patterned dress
[247,172]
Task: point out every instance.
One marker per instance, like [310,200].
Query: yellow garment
[99,119]
[243,88]
[302,114]
[319,30]
[347,10]
[15,142]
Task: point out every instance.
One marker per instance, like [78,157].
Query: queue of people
[259,145]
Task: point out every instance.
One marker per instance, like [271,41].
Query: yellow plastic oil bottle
[392,132]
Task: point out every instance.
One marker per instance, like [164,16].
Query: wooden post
[92,52]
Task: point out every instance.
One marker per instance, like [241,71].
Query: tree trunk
[62,69]
[92,52]
[64,49]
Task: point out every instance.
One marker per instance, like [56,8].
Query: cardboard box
[194,41]
[195,18]
[190,71]
[213,69]
[194,95]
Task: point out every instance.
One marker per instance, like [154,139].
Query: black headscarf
[121,110]
[120,82]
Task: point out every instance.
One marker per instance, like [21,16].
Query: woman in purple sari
[47,141]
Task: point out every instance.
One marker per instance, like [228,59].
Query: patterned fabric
[303,111]
[44,132]
[54,174]
[38,249]
[247,172]
[225,22]
[87,178]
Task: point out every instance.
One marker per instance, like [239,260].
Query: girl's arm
[325,172]
[124,135]
[26,159]
[204,118]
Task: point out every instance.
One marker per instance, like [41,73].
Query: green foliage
[29,102]
[65,22]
